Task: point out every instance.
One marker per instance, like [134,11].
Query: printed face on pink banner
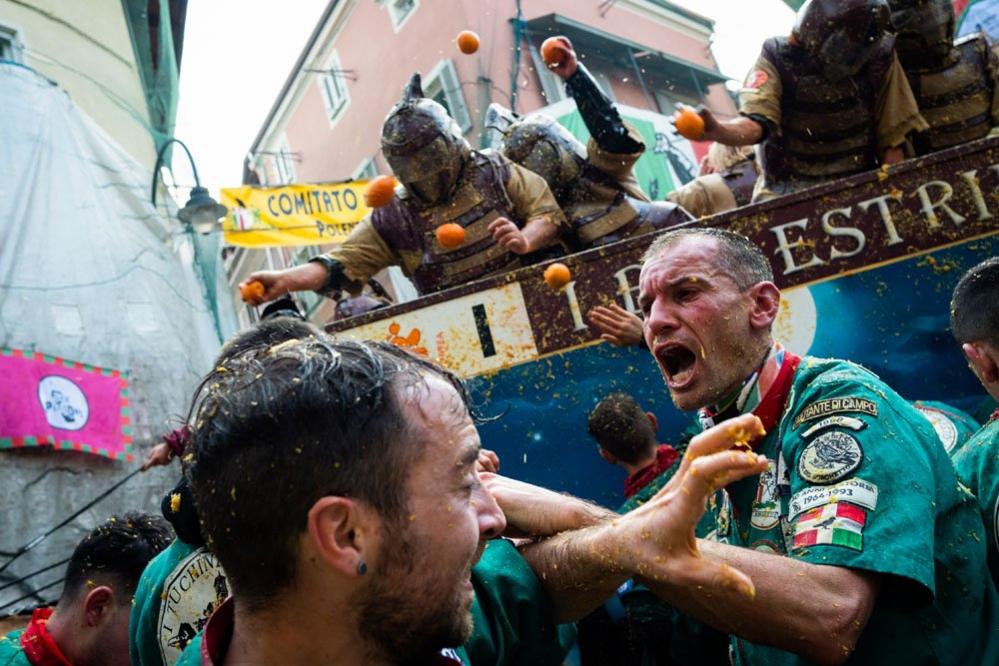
[49,401]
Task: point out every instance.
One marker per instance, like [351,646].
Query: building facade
[325,124]
[118,61]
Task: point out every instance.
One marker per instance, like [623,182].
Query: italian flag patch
[836,524]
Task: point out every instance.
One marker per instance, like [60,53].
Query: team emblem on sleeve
[942,425]
[755,80]
[830,457]
[829,406]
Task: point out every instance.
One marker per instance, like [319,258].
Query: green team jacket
[511,615]
[977,463]
[11,653]
[178,590]
[858,479]
[649,618]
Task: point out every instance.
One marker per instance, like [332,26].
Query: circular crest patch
[765,546]
[830,457]
[193,590]
[944,427]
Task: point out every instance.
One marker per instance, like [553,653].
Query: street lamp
[201,212]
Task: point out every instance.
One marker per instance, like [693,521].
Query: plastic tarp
[90,271]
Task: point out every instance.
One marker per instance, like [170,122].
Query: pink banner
[49,401]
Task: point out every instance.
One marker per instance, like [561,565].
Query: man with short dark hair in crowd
[974,320]
[89,624]
[336,483]
[172,604]
[627,437]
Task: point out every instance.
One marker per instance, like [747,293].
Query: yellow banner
[292,214]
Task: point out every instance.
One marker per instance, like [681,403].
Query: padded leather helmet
[424,146]
[841,35]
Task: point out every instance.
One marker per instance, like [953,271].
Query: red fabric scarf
[775,385]
[666,455]
[772,406]
[39,646]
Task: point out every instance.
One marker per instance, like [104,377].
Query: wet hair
[277,428]
[266,333]
[974,307]
[621,427]
[737,256]
[115,553]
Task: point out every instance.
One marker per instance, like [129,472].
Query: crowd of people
[336,505]
[856,85]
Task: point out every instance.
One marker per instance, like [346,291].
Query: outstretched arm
[597,110]
[307,277]
[738,131]
[348,267]
[580,569]
[812,610]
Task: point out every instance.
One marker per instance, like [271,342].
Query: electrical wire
[33,593]
[32,574]
[44,535]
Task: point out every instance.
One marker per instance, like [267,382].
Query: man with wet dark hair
[185,583]
[89,624]
[336,483]
[627,437]
[974,320]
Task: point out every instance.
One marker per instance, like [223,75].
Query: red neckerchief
[772,405]
[995,415]
[218,633]
[38,645]
[666,455]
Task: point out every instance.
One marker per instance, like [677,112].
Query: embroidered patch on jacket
[835,524]
[192,591]
[756,79]
[856,491]
[766,546]
[833,406]
[942,425]
[830,457]
[834,421]
[766,507]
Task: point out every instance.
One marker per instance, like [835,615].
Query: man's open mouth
[679,363]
